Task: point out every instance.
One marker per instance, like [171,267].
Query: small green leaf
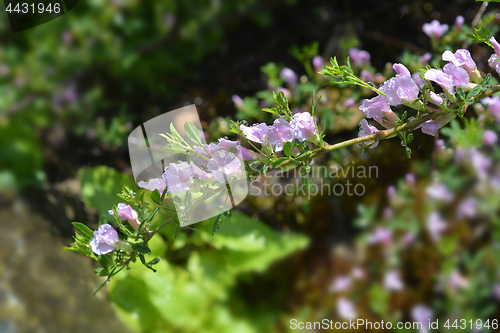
[192,132]
[142,248]
[154,261]
[292,165]
[156,196]
[287,150]
[100,272]
[278,162]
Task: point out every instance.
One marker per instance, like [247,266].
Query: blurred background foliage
[74,88]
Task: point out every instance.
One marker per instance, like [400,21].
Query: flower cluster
[302,127]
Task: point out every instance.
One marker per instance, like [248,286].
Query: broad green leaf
[85,231]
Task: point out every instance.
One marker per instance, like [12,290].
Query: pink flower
[466,208]
[496,291]
[366,76]
[359,57]
[436,99]
[439,191]
[179,177]
[459,22]
[392,281]
[302,126]
[256,133]
[435,226]
[237,101]
[349,102]
[317,62]
[457,281]
[365,129]
[377,108]
[434,29]
[341,283]
[493,62]
[410,179]
[401,69]
[345,309]
[422,314]
[430,127]
[418,81]
[127,212]
[461,58]
[104,240]
[489,138]
[408,239]
[224,165]
[289,76]
[358,273]
[459,75]
[442,79]
[154,184]
[400,89]
[493,104]
[380,236]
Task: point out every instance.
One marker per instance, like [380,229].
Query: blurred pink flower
[359,57]
[435,226]
[317,62]
[493,106]
[392,281]
[408,238]
[496,291]
[459,22]
[410,179]
[345,309]
[434,29]
[341,283]
[457,281]
[237,101]
[380,236]
[489,138]
[366,76]
[466,208]
[422,314]
[358,273]
[289,76]
[439,191]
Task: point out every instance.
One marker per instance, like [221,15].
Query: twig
[476,19]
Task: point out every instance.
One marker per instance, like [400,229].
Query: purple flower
[237,101]
[358,273]
[302,126]
[179,177]
[435,226]
[458,74]
[459,22]
[461,58]
[435,98]
[366,76]
[256,133]
[422,314]
[408,238]
[341,283]
[401,69]
[439,191]
[392,281]
[425,58]
[391,192]
[434,29]
[493,104]
[418,80]
[440,144]
[104,240]
[442,79]
[376,108]
[317,62]
[349,102]
[285,92]
[380,236]
[224,165]
[410,179]
[430,127]
[466,208]
[400,89]
[279,133]
[388,213]
[365,129]
[345,309]
[154,184]
[457,281]
[359,57]
[289,76]
[199,172]
[126,212]
[489,138]
[480,163]
[494,62]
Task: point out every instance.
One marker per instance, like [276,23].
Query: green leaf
[142,248]
[100,272]
[156,196]
[278,162]
[85,231]
[292,165]
[192,132]
[287,150]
